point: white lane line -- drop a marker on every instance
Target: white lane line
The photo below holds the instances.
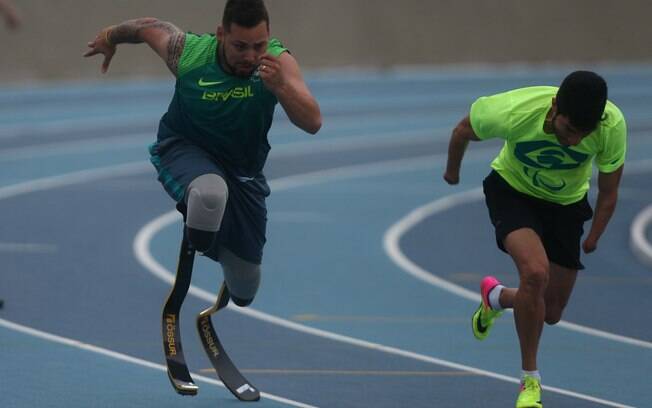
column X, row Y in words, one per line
column 362, row 141
column 136, row 140
column 48, row 183
column 639, row 243
column 94, row 124
column 83, row 177
column 56, row 126
column 126, row 358
column 144, row 256
column 138, row 167
column 391, row 243
column 288, row 182
column 31, row 248
column 393, row 236
column 381, row 139
column 142, row 252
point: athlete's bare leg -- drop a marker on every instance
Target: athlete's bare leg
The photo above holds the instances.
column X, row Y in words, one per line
column 560, row 286
column 529, row 255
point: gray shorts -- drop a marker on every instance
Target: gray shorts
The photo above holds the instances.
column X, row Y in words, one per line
column 178, row 162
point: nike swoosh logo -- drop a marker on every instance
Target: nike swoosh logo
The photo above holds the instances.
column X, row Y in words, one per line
column 479, row 326
column 201, row 82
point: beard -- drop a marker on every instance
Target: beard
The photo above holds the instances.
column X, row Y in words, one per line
column 244, row 71
column 241, row 70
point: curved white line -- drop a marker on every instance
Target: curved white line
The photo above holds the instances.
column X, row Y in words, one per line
column 143, row 254
column 288, row 182
column 125, row 357
column 88, row 175
column 395, row 232
column 83, row 177
column 144, row 236
column 641, row 247
column 136, row 140
column 391, row 243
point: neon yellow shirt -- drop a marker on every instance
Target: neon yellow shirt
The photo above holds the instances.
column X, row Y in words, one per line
column 532, row 161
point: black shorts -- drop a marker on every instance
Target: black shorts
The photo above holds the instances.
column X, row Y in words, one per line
column 560, row 227
column 243, row 227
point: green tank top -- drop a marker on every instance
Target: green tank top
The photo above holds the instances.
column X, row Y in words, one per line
column 224, row 114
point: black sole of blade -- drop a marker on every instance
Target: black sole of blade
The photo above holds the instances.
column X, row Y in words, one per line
column 183, row 388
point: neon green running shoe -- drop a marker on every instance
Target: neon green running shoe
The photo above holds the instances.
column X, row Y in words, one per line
column 530, row 394
column 484, row 316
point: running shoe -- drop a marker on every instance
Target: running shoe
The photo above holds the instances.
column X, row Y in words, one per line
column 530, row 394
column 484, row 316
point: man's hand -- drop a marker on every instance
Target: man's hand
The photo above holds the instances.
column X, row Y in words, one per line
column 604, row 208
column 452, row 178
column 101, row 45
column 281, row 76
column 590, row 244
column 271, row 73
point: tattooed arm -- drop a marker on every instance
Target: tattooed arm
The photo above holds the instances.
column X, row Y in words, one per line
column 163, row 37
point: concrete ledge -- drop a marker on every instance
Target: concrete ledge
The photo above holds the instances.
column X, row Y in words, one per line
column 333, row 33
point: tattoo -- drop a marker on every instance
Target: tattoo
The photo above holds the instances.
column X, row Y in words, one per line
column 129, row 31
column 175, row 48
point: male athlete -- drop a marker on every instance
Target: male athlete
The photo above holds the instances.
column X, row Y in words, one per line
column 537, row 198
column 212, row 143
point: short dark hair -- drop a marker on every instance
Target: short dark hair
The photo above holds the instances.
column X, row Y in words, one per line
column 582, row 98
column 245, row 13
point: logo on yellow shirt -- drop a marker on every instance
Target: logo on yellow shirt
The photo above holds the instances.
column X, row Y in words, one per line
column 538, row 156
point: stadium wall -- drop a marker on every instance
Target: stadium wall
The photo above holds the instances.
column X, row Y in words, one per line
column 336, row 33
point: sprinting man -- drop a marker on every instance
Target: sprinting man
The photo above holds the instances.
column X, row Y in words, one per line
column 212, row 142
column 10, row 14
column 537, row 198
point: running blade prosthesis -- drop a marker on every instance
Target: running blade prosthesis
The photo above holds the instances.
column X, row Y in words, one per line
column 177, row 368
column 226, row 370
column 176, row 363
